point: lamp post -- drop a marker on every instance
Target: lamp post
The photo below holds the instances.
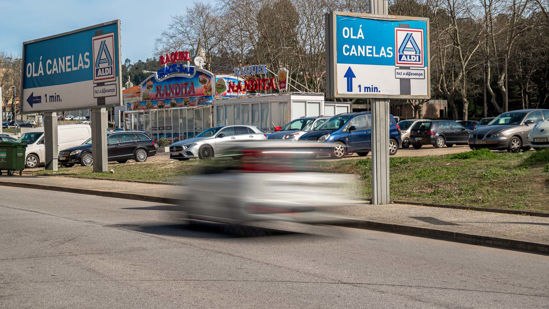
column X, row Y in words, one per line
column 14, row 109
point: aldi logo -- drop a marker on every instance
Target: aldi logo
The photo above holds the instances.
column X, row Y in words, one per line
column 103, row 61
column 409, row 47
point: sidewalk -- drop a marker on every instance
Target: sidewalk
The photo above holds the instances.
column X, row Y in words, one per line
column 529, row 233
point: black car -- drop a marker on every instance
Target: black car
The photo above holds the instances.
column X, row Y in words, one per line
column 438, row 133
column 7, row 138
column 122, row 146
column 469, row 124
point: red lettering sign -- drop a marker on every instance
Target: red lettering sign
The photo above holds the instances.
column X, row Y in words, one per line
column 175, row 57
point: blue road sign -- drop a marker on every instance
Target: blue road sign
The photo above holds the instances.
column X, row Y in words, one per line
column 378, row 57
column 59, row 72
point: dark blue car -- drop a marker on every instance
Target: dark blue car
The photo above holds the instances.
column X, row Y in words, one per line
column 352, row 133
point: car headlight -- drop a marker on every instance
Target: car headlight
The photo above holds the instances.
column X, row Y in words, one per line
column 323, row 138
column 75, row 152
column 498, row 134
column 290, row 136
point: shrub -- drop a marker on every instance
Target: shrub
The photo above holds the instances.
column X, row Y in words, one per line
column 163, row 142
column 539, row 157
column 480, row 154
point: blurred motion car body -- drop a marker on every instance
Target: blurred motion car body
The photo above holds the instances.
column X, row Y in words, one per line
column 210, row 142
column 296, row 128
column 265, row 181
column 508, row 131
column 539, row 136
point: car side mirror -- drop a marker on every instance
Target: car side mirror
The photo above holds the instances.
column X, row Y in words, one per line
column 220, row 135
column 351, row 128
column 529, row 122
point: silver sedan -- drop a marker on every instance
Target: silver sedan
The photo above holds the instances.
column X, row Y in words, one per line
column 209, row 142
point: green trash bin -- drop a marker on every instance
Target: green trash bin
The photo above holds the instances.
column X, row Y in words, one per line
column 12, row 157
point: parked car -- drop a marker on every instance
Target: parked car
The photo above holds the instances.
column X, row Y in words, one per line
column 508, row 131
column 227, row 192
column 438, row 133
column 485, row 121
column 352, row 133
column 469, row 124
column 69, row 135
column 296, row 128
column 405, row 128
column 5, row 124
column 208, row 143
column 7, row 138
column 121, row 147
column 539, row 136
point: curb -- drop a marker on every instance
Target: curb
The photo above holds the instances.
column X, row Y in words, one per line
column 502, row 211
column 487, row 241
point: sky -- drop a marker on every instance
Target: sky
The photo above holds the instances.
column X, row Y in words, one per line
column 141, row 22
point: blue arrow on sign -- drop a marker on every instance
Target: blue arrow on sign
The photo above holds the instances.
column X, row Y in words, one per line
column 34, row 99
column 349, row 75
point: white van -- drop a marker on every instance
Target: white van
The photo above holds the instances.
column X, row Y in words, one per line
column 68, row 136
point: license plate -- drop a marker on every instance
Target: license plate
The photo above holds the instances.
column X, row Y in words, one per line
column 540, row 139
column 417, row 138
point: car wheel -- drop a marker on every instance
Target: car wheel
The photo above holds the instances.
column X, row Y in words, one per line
column 393, row 146
column 140, row 155
column 362, row 153
column 449, row 145
column 68, row 164
column 122, row 161
column 417, row 145
column 32, row 161
column 339, row 150
column 205, row 152
column 514, row 144
column 406, row 143
column 86, row 159
column 439, row 142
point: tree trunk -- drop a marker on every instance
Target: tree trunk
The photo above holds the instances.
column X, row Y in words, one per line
column 493, row 99
column 452, row 106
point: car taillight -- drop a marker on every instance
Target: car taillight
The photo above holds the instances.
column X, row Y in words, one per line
column 152, row 143
column 430, row 132
column 255, row 161
column 398, row 127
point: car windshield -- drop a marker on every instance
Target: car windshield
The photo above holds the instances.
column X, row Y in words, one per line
column 87, row 142
column 30, row 137
column 311, row 126
column 209, row 132
column 485, row 121
column 510, row 118
column 298, row 124
column 335, row 122
column 405, row 124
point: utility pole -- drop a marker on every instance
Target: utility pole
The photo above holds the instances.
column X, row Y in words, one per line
column 14, row 109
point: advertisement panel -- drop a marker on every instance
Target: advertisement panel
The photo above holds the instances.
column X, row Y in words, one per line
column 177, row 90
column 74, row 70
column 371, row 56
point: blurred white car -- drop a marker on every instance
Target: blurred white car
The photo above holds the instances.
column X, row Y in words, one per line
column 268, row 181
column 210, row 142
column 539, row 136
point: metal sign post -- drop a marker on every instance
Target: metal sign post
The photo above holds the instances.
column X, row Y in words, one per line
column 380, row 134
column 77, row 70
column 379, row 57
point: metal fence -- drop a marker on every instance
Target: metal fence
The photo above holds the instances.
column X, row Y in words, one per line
column 172, row 124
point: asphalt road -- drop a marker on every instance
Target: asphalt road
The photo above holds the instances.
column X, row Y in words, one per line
column 61, row 250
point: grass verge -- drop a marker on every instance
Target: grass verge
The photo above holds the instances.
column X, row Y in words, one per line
column 479, row 178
